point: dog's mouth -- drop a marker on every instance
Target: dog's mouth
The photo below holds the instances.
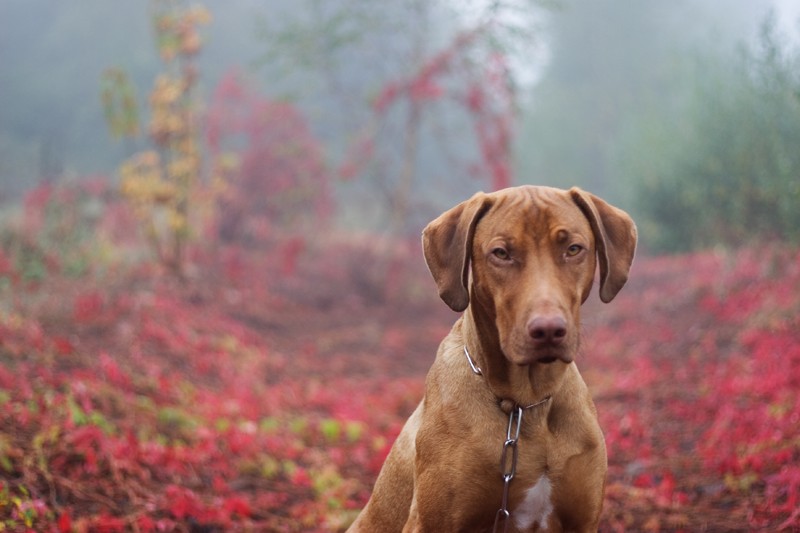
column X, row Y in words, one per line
column 524, row 353
column 546, row 358
column 550, row 358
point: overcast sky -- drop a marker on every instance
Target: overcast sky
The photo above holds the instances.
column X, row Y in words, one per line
column 789, row 16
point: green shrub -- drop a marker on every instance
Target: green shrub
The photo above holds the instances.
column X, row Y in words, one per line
column 726, row 168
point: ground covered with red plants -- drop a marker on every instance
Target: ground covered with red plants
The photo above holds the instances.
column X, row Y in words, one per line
column 263, row 391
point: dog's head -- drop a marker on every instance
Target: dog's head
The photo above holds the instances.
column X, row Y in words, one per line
column 532, row 253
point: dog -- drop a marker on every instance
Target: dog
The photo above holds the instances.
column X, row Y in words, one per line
column 504, row 388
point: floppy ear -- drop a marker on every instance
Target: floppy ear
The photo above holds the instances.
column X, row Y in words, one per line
column 447, row 245
column 615, row 238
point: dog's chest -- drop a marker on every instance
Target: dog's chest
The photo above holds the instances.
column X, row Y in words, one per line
column 536, row 507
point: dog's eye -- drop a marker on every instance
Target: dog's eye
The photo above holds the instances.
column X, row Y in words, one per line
column 501, row 253
column 574, row 250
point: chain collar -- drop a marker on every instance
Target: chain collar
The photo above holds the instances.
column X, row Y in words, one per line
column 508, row 457
column 477, row 370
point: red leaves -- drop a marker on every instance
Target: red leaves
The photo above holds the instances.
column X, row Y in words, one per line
column 182, row 502
column 290, row 251
column 425, row 89
column 358, row 155
column 236, row 506
column 783, row 494
column 491, row 101
column 88, row 307
column 63, row 345
column 387, row 96
column 113, row 373
column 275, row 172
column 476, row 98
column 64, row 523
column 109, row 524
column 167, row 417
column 706, row 367
column 482, row 88
column 38, row 198
column 300, row 478
column 6, row 267
column 227, row 404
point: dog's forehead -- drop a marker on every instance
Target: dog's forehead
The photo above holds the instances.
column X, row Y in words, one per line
column 530, row 196
column 528, row 208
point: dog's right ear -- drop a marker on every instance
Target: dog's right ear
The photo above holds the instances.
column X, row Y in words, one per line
column 615, row 238
column 447, row 245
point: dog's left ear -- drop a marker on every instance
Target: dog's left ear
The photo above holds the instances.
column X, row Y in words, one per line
column 615, row 238
column 447, row 245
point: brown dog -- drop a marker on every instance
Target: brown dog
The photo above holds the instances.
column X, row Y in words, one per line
column 503, row 389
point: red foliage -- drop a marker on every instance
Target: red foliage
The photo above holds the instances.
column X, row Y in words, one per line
column 491, row 102
column 265, row 392
column 88, row 307
column 483, row 91
column 703, row 349
column 281, row 177
column 36, row 202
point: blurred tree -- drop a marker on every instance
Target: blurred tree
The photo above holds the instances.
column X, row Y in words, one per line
column 725, row 168
column 50, row 61
column 333, row 58
column 119, row 104
column 441, row 81
column 273, row 168
column 613, row 61
column 163, row 183
column 52, row 54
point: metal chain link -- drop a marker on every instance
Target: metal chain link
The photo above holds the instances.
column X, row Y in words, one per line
column 508, row 467
column 508, row 462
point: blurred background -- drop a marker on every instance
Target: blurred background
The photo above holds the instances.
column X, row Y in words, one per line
column 214, row 310
column 685, row 113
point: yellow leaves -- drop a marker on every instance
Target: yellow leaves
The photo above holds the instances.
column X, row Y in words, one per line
column 225, row 165
column 741, row 483
column 178, row 223
column 199, row 15
column 182, row 168
column 270, row 467
column 176, row 30
column 8, row 452
column 230, row 344
column 143, row 182
column 167, row 90
column 157, row 192
column 190, row 44
column 171, row 119
column 149, row 158
column 164, row 186
column 228, row 162
column 146, row 184
column 779, row 410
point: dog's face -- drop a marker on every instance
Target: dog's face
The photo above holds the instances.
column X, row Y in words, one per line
column 533, row 253
column 533, row 263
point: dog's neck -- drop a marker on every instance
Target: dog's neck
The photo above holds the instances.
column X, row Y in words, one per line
column 512, row 384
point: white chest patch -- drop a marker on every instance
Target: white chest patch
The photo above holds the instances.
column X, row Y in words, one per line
column 536, row 507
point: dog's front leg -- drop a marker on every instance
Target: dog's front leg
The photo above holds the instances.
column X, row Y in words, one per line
column 413, row 524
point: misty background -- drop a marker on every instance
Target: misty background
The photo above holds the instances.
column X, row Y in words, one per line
column 686, row 114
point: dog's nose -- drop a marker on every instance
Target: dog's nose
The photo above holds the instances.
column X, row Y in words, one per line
column 547, row 329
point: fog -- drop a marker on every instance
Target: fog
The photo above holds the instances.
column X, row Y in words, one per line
column 594, row 94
